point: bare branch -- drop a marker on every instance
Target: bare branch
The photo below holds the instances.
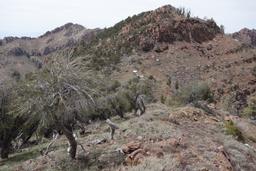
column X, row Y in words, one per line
column 113, row 127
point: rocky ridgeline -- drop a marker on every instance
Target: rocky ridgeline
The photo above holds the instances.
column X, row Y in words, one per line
column 166, row 25
column 73, row 28
column 246, row 36
column 145, row 32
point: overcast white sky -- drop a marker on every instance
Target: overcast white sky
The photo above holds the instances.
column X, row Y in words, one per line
column 34, row 17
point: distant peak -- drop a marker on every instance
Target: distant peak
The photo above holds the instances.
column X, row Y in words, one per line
column 68, row 25
column 247, row 36
column 64, row 27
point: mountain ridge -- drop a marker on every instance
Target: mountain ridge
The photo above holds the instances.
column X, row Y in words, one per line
column 153, row 33
column 64, row 36
column 247, row 36
column 145, row 31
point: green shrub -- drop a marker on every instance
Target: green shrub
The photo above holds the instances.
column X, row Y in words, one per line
column 138, row 86
column 231, row 129
column 192, row 93
column 250, row 110
column 118, row 99
column 113, row 86
column 174, row 101
column 124, row 102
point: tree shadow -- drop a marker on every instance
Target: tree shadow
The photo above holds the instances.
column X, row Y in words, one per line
column 23, row 156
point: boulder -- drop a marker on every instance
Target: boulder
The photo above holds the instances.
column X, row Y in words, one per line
column 187, row 113
column 130, row 147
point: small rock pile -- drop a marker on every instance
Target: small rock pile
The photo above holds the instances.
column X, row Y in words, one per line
column 137, row 151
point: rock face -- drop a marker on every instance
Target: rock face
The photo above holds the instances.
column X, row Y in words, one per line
column 189, row 30
column 145, row 31
column 246, row 36
column 165, row 24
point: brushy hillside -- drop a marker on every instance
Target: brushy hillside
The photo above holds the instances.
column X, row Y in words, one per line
column 185, row 138
column 198, row 84
column 145, row 31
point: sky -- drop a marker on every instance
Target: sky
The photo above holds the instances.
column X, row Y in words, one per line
column 35, row 17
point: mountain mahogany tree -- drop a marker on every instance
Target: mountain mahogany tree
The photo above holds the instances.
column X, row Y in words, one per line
column 56, row 95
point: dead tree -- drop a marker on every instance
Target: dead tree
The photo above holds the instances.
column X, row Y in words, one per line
column 54, row 139
column 113, row 127
column 69, row 146
column 138, row 104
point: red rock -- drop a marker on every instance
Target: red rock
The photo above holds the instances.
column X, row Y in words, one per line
column 130, row 147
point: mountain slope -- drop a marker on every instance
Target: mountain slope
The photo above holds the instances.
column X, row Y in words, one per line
column 164, row 138
column 165, row 43
column 174, row 50
column 172, row 47
column 223, row 63
column 65, row 36
column 144, row 32
column 25, row 54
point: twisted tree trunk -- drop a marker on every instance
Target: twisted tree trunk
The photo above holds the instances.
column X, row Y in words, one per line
column 72, row 141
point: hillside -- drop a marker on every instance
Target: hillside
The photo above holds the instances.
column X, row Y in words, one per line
column 198, row 84
column 225, row 64
column 164, row 138
column 175, row 48
column 25, row 54
column 65, row 36
column 144, row 32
